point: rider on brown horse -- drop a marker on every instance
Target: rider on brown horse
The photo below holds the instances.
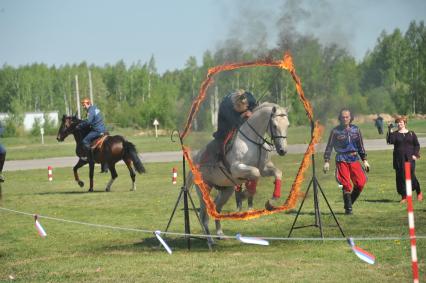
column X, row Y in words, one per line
column 95, row 123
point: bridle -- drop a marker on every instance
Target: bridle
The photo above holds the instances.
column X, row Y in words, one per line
column 271, row 133
column 68, row 129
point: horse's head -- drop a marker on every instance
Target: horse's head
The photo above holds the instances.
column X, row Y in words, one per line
column 278, row 125
column 67, row 126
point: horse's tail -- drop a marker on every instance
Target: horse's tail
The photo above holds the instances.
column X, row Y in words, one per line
column 130, row 151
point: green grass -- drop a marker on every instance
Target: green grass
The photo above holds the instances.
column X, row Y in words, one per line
column 80, row 253
column 31, row 147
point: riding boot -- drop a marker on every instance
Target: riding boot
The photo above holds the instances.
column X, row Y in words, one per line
column 355, row 194
column 348, row 202
column 89, row 153
column 2, row 159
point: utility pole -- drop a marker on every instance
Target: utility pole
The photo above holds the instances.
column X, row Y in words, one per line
column 90, row 87
column 77, row 97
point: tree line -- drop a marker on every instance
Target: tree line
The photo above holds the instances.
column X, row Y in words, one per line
column 391, row 78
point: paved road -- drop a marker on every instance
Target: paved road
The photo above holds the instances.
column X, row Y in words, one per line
column 170, row 156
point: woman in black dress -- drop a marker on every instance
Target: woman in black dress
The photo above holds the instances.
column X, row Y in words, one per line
column 406, row 147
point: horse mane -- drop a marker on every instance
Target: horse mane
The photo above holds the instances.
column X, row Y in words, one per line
column 264, row 105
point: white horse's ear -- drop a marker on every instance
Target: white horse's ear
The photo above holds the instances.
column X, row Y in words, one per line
column 286, row 109
column 274, row 109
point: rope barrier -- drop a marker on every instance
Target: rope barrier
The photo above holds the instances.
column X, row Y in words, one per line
column 388, row 238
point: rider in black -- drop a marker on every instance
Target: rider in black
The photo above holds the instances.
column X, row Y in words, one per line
column 234, row 109
column 2, row 156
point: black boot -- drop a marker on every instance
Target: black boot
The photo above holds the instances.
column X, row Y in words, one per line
column 2, row 159
column 348, row 202
column 355, row 194
column 89, row 153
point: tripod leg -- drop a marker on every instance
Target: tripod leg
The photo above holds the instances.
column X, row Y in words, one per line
column 174, row 209
column 186, row 213
column 300, row 208
column 331, row 210
column 316, row 206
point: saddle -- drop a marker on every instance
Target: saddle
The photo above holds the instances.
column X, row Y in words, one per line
column 99, row 142
column 216, row 150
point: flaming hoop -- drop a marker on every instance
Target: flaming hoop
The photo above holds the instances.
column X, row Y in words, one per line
column 287, row 64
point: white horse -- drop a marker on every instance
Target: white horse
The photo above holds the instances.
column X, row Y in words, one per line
column 248, row 157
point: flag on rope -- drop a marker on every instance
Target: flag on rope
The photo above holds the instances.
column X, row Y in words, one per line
column 157, row 234
column 39, row 228
column 362, row 254
column 252, row 240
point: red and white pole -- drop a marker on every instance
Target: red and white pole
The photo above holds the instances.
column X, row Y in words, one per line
column 174, row 176
column 414, row 265
column 49, row 173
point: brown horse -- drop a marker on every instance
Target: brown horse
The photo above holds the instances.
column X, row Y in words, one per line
column 106, row 149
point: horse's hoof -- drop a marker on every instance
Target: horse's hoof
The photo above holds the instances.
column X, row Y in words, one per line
column 250, row 208
column 91, row 190
column 269, row 206
column 80, row 183
column 220, row 235
column 107, row 189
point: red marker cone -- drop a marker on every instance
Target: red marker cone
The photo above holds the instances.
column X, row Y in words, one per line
column 50, row 173
column 174, row 175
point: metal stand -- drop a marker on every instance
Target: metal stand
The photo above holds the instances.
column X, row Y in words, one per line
column 314, row 182
column 186, row 195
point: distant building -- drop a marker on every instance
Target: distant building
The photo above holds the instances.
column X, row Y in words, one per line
column 30, row 118
column 3, row 116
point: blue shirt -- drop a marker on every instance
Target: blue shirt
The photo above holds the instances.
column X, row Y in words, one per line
column 94, row 120
column 348, row 144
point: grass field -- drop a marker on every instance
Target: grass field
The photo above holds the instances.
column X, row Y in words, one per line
column 31, row 147
column 75, row 252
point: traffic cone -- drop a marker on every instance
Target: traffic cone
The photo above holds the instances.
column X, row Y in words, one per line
column 50, row 173
column 174, row 175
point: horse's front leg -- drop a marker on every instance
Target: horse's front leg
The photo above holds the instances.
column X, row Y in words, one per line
column 271, row 170
column 91, row 173
column 220, row 200
column 79, row 164
column 244, row 172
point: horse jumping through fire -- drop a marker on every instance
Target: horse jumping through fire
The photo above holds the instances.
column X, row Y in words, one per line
column 247, row 158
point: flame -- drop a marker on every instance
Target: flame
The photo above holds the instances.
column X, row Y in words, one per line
column 287, row 64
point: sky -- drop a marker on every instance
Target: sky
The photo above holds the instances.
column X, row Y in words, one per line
column 58, row 32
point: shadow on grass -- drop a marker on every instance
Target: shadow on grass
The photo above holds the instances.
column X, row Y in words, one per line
column 151, row 244
column 381, row 200
column 69, row 193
